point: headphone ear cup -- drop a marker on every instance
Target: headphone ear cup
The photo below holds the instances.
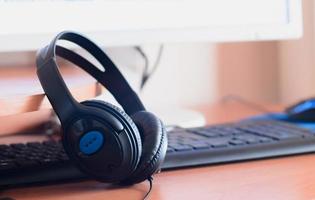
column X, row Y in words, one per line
column 154, row 146
column 133, row 133
column 106, row 106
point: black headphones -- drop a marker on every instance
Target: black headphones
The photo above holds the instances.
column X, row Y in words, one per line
column 105, row 142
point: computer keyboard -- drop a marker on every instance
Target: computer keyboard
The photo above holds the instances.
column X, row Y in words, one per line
column 46, row 162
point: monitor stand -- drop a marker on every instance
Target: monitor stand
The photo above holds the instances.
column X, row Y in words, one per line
column 170, row 115
column 179, row 116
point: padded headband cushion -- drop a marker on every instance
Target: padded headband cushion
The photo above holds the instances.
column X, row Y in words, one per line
column 154, row 146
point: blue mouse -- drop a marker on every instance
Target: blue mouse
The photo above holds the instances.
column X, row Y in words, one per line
column 303, row 111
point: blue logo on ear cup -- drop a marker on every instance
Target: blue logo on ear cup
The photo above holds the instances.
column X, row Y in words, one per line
column 91, row 142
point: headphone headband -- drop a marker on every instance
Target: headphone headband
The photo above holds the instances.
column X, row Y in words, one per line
column 55, row 88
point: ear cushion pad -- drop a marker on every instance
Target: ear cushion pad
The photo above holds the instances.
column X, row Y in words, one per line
column 154, row 146
column 111, row 108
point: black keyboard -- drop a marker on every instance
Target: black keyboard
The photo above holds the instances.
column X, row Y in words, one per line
column 46, row 162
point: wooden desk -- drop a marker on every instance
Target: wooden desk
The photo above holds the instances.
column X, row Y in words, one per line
column 289, row 178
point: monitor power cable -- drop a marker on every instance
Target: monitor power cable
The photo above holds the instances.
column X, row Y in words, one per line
column 146, row 73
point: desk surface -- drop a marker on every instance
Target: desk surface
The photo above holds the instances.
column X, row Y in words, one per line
column 282, row 178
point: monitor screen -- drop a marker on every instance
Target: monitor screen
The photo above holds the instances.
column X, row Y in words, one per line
column 27, row 24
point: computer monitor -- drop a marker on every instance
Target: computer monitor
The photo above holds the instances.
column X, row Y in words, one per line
column 29, row 24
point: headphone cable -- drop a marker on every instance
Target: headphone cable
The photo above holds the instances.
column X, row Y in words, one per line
column 150, row 179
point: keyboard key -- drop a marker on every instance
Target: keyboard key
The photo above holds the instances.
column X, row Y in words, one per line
column 4, row 147
column 250, row 139
column 49, row 160
column 50, row 143
column 265, row 139
column 8, row 154
column 237, row 142
column 34, row 144
column 18, row 146
column 6, row 160
column 206, row 133
column 218, row 142
column 7, row 166
column 181, row 147
column 199, row 145
column 26, row 163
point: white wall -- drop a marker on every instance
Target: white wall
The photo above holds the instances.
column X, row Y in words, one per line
column 297, row 63
column 186, row 74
